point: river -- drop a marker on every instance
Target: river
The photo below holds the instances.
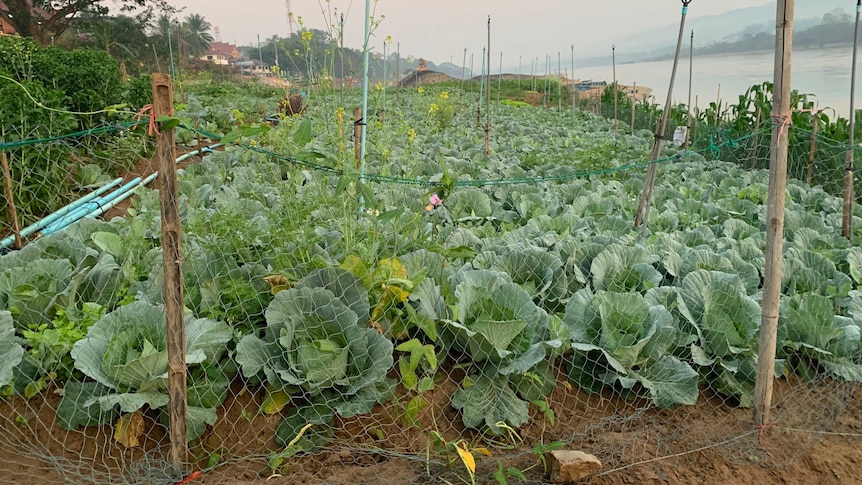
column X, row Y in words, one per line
column 824, row 73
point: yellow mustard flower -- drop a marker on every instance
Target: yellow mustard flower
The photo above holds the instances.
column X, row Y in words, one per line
column 307, row 36
column 420, row 90
column 433, row 108
column 378, row 86
column 411, row 134
column 444, row 95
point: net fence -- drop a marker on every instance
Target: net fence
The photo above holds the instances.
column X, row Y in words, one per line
column 438, row 316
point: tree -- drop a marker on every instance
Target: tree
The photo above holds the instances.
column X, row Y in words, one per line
column 196, row 34
column 124, row 38
column 45, row 19
column 837, row 16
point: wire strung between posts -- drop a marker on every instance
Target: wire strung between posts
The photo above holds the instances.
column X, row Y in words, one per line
column 78, row 134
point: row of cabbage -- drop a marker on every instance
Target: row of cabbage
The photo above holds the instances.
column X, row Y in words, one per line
column 325, row 304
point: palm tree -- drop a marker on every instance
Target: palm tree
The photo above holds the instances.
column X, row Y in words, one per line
column 196, row 35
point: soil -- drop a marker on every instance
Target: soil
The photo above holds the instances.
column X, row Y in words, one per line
column 815, row 438
column 143, row 168
column 712, row 442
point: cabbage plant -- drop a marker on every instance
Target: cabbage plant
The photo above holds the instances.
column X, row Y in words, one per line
column 502, row 331
column 125, row 355
column 314, row 345
column 621, row 340
column 814, row 339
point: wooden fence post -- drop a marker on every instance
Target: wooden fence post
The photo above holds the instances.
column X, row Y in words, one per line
column 813, row 150
column 775, row 214
column 357, row 136
column 13, row 211
column 176, row 336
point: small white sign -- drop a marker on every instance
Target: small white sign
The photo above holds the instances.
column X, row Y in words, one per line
column 680, row 135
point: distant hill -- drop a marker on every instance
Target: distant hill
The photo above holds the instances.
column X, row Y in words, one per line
column 659, row 42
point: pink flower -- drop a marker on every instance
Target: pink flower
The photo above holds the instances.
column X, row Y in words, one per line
column 436, row 201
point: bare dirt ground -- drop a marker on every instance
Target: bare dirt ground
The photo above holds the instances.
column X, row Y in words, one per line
column 711, row 442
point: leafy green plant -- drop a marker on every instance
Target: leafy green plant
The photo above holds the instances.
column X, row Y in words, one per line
column 125, row 356
column 314, row 344
column 813, row 338
column 619, row 339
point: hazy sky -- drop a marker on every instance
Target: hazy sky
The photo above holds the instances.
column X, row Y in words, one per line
column 440, row 29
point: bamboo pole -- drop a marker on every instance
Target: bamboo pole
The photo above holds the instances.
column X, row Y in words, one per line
column 696, row 116
column 756, row 140
column 813, row 150
column 13, row 211
column 560, row 82
column 341, row 50
column 385, row 76
column 357, row 136
column 163, row 103
column 649, row 183
column 690, row 78
column 718, row 106
column 574, row 85
column 775, row 214
column 500, row 80
column 463, row 68
column 634, row 104
column 481, row 91
column 616, row 104
column 520, row 61
column 488, row 98
column 398, row 68
column 847, row 223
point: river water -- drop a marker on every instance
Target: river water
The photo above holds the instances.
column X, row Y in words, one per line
column 824, row 73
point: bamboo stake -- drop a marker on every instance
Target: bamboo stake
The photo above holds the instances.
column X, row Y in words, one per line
column 13, row 211
column 756, row 140
column 775, row 214
column 481, row 91
column 634, row 105
column 813, row 150
column 357, row 136
column 574, row 85
column 488, row 98
column 847, row 223
column 520, row 61
column 616, row 112
column 649, row 183
column 163, row 103
column 463, row 67
column 500, row 79
column 398, row 68
column 340, row 115
column 690, row 78
column 341, row 50
column 696, row 116
column 560, row 82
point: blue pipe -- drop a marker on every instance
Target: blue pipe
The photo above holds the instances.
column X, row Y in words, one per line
column 110, row 205
column 95, row 203
column 85, row 209
column 62, row 212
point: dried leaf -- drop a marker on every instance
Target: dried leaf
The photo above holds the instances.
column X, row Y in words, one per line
column 278, row 282
column 275, row 401
column 129, row 428
column 483, row 450
column 466, row 457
